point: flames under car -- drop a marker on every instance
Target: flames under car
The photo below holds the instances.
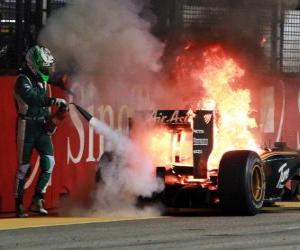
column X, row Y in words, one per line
column 243, row 181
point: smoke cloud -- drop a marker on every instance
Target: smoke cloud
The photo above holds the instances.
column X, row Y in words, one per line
column 127, row 175
column 107, row 42
column 110, row 52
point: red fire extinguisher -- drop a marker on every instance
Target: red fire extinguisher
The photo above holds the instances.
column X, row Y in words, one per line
column 55, row 119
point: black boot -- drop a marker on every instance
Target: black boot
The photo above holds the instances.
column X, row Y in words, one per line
column 20, row 210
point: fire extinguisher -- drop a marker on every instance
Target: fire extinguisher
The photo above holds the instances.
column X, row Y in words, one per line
column 55, row 119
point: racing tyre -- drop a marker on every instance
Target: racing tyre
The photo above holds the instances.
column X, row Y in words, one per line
column 241, row 182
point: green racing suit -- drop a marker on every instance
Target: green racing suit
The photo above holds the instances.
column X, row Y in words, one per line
column 32, row 103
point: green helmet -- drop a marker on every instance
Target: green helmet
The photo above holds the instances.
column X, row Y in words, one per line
column 40, row 61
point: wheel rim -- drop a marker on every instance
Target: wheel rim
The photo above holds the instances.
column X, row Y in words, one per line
column 257, row 183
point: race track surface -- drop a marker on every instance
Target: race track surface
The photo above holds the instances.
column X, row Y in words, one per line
column 275, row 228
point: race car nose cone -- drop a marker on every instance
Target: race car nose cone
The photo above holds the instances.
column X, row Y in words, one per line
column 84, row 113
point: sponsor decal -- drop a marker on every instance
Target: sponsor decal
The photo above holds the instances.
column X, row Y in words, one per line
column 200, row 142
column 198, row 151
column 207, row 118
column 284, row 175
column 174, row 117
column 198, row 131
column 27, row 86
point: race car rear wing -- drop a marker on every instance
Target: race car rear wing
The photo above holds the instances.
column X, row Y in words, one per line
column 201, row 124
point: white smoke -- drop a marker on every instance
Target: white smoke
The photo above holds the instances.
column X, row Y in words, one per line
column 113, row 50
column 106, row 40
column 128, row 175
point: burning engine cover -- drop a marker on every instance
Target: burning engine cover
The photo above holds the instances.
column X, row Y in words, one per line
column 191, row 138
column 190, row 142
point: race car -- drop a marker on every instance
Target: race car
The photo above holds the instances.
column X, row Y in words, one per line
column 244, row 180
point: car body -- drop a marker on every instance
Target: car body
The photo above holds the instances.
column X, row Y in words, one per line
column 242, row 183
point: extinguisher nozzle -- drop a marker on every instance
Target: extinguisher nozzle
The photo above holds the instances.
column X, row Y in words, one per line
column 84, row 113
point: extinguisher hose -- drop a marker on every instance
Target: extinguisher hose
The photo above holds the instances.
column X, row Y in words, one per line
column 82, row 111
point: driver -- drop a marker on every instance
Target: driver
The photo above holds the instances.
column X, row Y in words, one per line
column 32, row 103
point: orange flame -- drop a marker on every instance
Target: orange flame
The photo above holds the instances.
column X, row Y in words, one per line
column 232, row 128
column 215, row 72
column 168, row 146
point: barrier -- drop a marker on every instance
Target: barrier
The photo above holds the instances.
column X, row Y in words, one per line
column 279, row 111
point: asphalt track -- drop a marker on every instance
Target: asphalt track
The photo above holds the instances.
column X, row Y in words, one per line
column 275, row 228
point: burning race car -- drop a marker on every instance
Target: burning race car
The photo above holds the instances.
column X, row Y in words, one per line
column 199, row 166
column 244, row 179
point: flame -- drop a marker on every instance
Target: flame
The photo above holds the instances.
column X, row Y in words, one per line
column 168, row 146
column 216, row 72
column 160, row 144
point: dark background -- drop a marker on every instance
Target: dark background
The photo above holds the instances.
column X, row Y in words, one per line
column 241, row 24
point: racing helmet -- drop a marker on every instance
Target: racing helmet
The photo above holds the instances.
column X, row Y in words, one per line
column 40, row 61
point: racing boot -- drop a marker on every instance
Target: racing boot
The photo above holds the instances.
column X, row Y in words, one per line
column 20, row 210
column 37, row 206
